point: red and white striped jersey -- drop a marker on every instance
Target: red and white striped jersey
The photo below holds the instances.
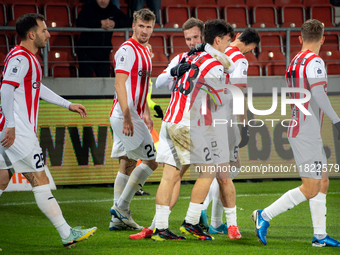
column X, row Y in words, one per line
column 134, row 60
column 239, row 76
column 206, row 73
column 22, row 70
column 306, row 70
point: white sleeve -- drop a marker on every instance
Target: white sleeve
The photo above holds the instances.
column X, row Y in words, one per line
column 316, row 72
column 51, row 97
column 7, row 103
column 239, row 76
column 16, row 70
column 321, row 99
column 165, row 79
column 226, row 62
column 124, row 59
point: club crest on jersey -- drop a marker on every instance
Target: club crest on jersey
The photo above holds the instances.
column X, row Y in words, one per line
column 36, row 85
column 122, row 60
column 318, row 72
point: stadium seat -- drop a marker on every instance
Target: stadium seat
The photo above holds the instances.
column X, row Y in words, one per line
column 270, row 42
column 332, row 61
column 159, row 63
column 64, row 70
column 4, row 43
column 237, row 15
column 325, row 13
column 61, row 64
column 264, row 16
column 331, row 42
column 57, row 15
column 3, row 14
column 223, row 3
column 280, row 3
column 177, row 44
column 62, row 41
column 194, row 3
column 165, row 3
column 309, row 3
column 274, row 62
column 20, row 8
column 253, row 3
column 176, row 15
column 77, row 9
column 118, row 38
column 158, row 43
column 207, row 12
column 293, row 15
column 254, row 68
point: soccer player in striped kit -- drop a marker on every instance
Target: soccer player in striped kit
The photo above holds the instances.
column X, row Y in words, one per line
column 21, row 90
column 306, row 71
column 130, row 116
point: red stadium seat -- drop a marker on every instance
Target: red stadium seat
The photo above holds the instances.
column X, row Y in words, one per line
column 254, row 68
column 61, row 64
column 62, row 42
column 331, row 42
column 253, row 3
column 165, row 3
column 332, row 61
column 309, row 3
column 64, row 70
column 293, row 15
column 264, row 16
column 176, row 15
column 159, row 63
column 207, row 12
column 77, row 9
column 4, row 44
column 274, row 62
column 20, row 8
column 177, row 44
column 237, row 15
column 324, row 13
column 281, row 3
column 118, row 38
column 3, row 14
column 270, row 42
column 223, row 3
column 158, row 43
column 57, row 15
column 294, row 42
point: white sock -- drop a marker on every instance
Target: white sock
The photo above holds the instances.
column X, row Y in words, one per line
column 49, row 206
column 1, row 191
column 193, row 213
column 217, row 207
column 230, row 214
column 287, row 201
column 152, row 226
column 136, row 181
column 120, row 183
column 162, row 216
column 318, row 211
column 209, row 197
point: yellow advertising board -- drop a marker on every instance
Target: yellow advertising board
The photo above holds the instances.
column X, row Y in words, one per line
column 78, row 151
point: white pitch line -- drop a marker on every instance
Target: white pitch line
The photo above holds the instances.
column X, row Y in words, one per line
column 142, row 198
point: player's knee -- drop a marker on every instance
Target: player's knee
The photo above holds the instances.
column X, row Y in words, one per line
column 152, row 164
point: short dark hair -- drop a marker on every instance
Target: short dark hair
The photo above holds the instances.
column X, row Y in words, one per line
column 27, row 22
column 217, row 28
column 250, row 35
column 312, row 30
column 193, row 22
column 144, row 15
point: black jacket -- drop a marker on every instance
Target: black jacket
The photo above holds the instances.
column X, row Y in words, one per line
column 100, row 42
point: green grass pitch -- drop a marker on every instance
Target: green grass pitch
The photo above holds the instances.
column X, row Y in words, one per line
column 25, row 230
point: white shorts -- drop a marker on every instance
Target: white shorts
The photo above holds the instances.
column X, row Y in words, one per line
column 25, row 155
column 117, row 148
column 234, row 141
column 217, row 139
column 309, row 156
column 166, row 149
column 140, row 145
column 187, row 142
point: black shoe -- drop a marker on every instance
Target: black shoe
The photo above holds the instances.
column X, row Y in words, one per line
column 141, row 192
column 165, row 234
column 195, row 230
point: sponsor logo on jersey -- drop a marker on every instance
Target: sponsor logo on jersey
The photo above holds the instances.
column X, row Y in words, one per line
column 144, row 73
column 15, row 70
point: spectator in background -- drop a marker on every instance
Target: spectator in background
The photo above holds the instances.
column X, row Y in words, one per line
column 153, row 5
column 94, row 47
